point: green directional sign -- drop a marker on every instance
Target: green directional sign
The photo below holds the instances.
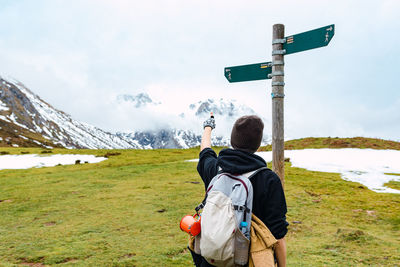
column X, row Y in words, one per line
column 309, row 40
column 250, row 72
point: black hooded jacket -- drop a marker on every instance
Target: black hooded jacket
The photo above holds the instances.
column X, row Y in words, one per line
column 269, row 203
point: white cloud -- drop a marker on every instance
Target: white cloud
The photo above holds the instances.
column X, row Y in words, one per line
column 78, row 56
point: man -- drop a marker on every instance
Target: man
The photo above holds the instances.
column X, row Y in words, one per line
column 269, row 203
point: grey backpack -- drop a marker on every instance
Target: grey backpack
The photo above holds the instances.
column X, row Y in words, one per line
column 226, row 219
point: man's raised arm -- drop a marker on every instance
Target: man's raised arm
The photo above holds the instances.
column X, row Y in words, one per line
column 208, row 125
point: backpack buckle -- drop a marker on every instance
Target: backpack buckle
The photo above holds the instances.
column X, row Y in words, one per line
column 241, row 208
column 199, row 207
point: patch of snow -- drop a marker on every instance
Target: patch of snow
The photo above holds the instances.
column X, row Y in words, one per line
column 37, row 128
column 4, row 118
column 23, row 137
column 3, row 106
column 37, row 142
column 14, row 120
column 48, row 133
column 364, row 166
column 36, row 161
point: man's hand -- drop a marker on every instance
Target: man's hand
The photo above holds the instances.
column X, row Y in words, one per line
column 280, row 252
column 210, row 122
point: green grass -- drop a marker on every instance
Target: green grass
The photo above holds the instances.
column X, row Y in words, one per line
column 125, row 211
column 395, row 184
column 336, row 142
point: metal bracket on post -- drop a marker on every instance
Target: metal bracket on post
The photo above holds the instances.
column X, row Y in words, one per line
column 276, row 95
column 266, row 65
column 276, row 73
column 277, row 62
column 279, row 41
column 278, row 52
column 278, row 83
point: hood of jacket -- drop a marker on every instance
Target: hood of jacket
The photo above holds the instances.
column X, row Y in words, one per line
column 238, row 162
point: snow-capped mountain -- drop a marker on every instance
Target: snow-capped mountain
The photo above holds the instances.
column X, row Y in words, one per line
column 25, row 116
column 27, row 120
column 170, row 138
column 185, row 128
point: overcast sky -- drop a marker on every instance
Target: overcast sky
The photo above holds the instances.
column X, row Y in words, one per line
column 79, row 55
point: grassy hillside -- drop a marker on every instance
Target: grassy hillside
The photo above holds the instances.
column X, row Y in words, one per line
column 336, row 142
column 12, row 135
column 125, row 211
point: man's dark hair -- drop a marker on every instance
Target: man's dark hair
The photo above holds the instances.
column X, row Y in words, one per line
column 247, row 133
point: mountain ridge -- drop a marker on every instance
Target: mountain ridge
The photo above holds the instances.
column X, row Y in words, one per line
column 27, row 120
column 27, row 110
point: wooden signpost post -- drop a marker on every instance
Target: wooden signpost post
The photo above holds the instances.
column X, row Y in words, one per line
column 274, row 70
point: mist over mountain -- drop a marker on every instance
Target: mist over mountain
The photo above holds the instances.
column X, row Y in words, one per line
column 183, row 128
column 138, row 101
column 27, row 120
column 189, row 117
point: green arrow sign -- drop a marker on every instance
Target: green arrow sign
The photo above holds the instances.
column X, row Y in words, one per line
column 309, row 40
column 250, row 72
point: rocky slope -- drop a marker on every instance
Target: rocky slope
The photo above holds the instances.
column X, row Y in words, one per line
column 27, row 120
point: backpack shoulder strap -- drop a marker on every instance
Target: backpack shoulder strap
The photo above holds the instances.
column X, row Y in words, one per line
column 251, row 174
column 203, row 203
